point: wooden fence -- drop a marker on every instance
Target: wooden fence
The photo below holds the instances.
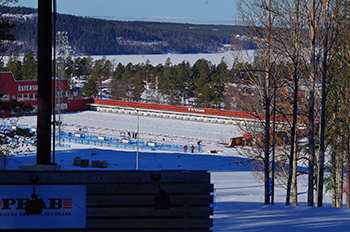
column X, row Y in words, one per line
column 133, row 200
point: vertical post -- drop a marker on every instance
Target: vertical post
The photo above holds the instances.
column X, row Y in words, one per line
column 44, row 81
column 54, row 89
column 137, row 153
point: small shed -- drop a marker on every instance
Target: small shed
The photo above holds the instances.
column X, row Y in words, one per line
column 236, row 141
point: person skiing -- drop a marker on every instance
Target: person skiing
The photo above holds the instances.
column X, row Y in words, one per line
column 199, row 145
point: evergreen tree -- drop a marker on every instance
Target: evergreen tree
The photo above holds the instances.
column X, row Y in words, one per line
column 168, row 83
column 69, row 67
column 126, row 83
column 116, row 82
column 203, row 90
column 118, row 72
column 82, row 66
column 217, row 84
column 78, row 67
column 183, row 80
column 138, row 86
column 107, row 69
column 29, row 66
column 87, row 65
column 96, row 74
column 89, row 89
column 14, row 65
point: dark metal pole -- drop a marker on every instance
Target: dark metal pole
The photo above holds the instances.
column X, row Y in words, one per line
column 44, row 81
column 137, row 154
column 54, row 85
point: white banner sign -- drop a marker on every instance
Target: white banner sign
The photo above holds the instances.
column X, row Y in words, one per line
column 54, row 206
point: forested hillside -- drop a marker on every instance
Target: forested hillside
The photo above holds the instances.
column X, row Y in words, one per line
column 107, row 37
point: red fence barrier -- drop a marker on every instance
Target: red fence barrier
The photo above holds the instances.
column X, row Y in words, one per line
column 175, row 108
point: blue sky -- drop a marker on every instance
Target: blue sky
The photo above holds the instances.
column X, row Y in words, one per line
column 187, row 11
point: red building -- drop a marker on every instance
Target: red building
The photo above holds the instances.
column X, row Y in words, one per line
column 27, row 90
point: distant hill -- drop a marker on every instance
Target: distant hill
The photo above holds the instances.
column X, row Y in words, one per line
column 108, row 37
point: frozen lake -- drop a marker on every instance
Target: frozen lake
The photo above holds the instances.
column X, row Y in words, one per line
column 214, row 58
column 155, row 59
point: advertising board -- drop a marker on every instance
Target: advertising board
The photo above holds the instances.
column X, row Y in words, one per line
column 42, row 206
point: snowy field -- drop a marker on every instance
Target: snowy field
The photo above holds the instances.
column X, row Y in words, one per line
column 239, row 196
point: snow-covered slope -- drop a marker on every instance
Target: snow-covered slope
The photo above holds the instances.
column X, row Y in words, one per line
column 238, row 195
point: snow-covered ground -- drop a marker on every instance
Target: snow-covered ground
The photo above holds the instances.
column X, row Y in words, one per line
column 239, row 196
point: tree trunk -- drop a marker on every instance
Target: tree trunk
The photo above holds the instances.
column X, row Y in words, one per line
column 340, row 180
column 310, row 192
column 310, row 195
column 333, row 180
column 347, row 157
column 323, row 115
column 295, row 102
column 294, row 180
column 267, row 150
column 267, row 109
column 347, row 150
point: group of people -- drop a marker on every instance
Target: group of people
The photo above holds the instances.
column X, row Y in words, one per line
column 192, row 147
column 185, row 148
column 132, row 134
